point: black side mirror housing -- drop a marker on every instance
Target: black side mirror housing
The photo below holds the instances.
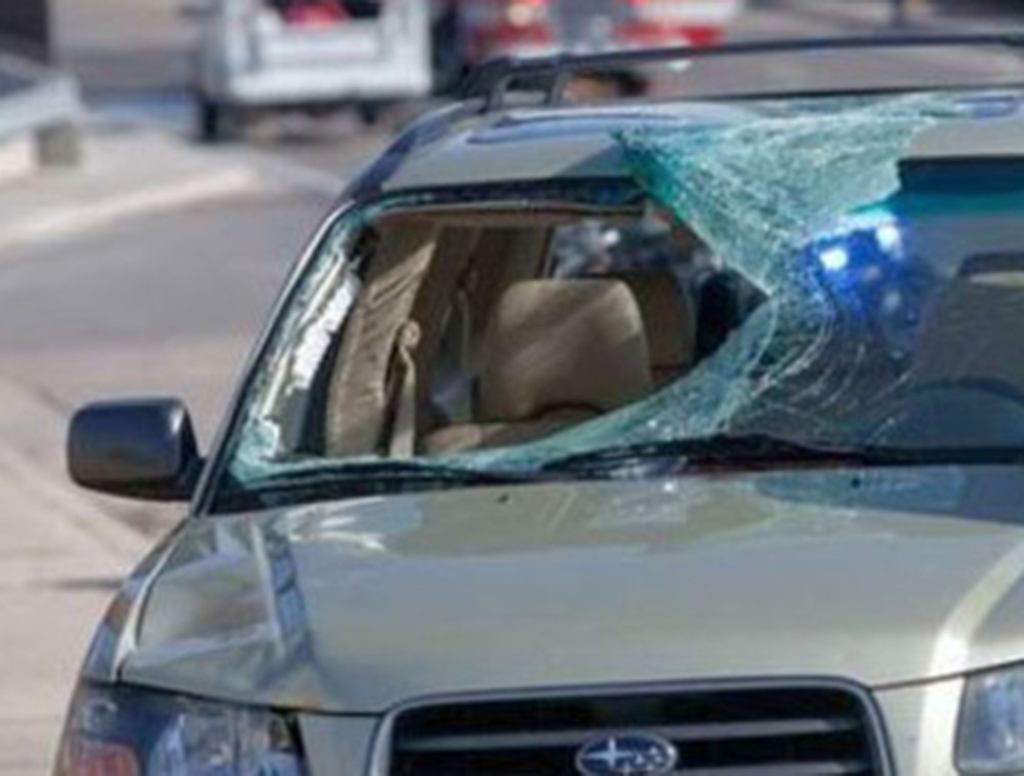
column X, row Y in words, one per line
column 144, row 449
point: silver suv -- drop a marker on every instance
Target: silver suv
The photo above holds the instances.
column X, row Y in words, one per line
column 626, row 440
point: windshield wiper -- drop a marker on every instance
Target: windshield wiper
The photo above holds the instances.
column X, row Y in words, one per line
column 395, row 471
column 734, row 450
column 355, row 479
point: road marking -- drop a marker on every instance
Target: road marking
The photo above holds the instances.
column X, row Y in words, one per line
column 65, row 222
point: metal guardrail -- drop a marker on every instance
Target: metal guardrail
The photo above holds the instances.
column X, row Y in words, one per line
column 42, row 102
column 494, row 79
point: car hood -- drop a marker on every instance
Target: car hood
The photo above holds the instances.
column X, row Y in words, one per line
column 882, row 576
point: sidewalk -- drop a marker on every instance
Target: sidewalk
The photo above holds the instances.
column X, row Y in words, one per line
column 60, row 561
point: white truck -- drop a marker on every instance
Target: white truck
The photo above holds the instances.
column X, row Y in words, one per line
column 309, row 55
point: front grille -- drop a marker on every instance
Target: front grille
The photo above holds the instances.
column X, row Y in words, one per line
column 741, row 731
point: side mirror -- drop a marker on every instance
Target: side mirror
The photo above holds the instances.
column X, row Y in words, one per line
column 142, row 449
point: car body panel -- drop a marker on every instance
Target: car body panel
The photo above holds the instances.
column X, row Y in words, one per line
column 922, row 724
column 536, row 145
column 526, row 144
column 883, row 577
column 337, row 745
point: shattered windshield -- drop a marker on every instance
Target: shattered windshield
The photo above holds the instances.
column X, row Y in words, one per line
column 798, row 284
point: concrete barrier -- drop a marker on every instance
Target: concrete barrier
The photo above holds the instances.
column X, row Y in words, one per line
column 44, row 103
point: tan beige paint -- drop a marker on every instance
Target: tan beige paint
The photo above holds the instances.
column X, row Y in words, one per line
column 469, row 157
column 358, row 606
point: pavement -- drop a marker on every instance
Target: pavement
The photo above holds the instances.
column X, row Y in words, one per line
column 148, row 272
column 61, row 558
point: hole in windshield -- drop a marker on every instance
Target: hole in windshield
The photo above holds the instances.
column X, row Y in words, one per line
column 791, row 288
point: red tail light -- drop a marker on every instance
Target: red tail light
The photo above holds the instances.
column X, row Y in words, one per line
column 671, row 22
column 659, row 34
column 314, row 13
column 500, row 26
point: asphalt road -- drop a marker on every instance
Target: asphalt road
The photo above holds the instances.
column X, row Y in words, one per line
column 123, row 45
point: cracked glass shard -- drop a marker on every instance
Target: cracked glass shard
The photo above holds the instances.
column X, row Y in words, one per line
column 316, row 314
column 765, row 196
column 778, row 197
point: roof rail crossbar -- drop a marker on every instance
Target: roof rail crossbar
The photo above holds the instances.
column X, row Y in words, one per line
column 492, row 80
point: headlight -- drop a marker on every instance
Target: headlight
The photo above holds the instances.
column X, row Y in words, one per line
column 992, row 724
column 123, row 731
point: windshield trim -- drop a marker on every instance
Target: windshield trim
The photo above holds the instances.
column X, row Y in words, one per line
column 204, row 497
column 522, row 196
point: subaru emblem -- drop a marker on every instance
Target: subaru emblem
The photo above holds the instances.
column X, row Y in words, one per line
column 629, row 754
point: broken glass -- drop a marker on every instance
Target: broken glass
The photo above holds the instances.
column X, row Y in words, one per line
column 776, row 199
column 792, row 198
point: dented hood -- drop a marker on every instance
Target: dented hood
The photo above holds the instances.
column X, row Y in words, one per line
column 880, row 576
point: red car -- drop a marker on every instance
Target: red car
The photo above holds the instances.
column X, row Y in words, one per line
column 535, row 27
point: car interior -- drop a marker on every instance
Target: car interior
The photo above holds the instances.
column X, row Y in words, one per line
column 476, row 330
column 478, row 326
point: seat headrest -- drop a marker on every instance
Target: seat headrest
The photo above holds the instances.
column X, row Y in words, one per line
column 669, row 318
column 968, row 333
column 563, row 344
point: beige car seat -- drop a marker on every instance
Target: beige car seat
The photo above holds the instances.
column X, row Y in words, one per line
column 555, row 353
column 670, row 320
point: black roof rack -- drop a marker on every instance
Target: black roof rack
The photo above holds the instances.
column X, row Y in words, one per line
column 492, row 80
